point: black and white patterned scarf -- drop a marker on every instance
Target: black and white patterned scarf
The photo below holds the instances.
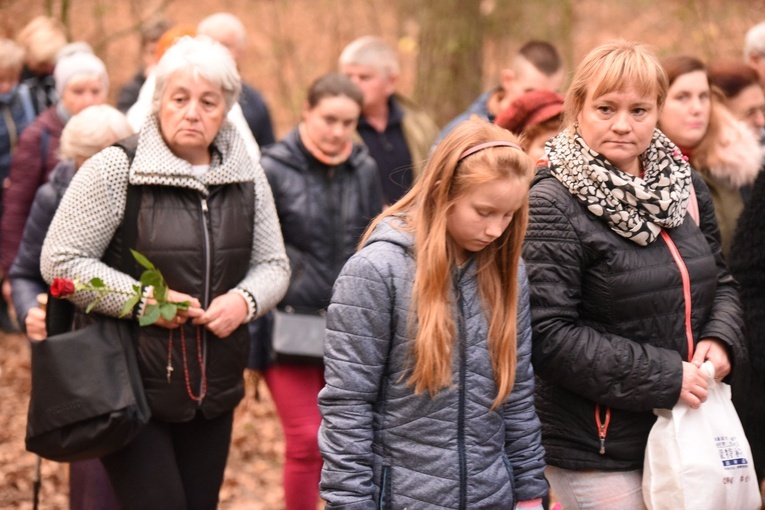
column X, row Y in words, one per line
column 634, row 207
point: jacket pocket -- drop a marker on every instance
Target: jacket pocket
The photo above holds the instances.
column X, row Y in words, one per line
column 510, row 475
column 385, row 489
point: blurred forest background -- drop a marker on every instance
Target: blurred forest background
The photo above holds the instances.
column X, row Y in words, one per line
column 450, row 50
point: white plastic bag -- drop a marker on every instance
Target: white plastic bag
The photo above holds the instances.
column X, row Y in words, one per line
column 699, row 458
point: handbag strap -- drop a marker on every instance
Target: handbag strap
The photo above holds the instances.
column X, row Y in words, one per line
column 686, row 288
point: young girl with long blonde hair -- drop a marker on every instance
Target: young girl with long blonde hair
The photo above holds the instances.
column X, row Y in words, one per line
column 429, row 386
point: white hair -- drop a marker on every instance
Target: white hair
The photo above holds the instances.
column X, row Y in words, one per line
column 94, row 128
column 222, row 22
column 755, row 40
column 371, row 51
column 207, row 59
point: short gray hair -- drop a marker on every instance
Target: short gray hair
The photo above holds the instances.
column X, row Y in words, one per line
column 206, row 59
column 94, row 128
column 222, row 22
column 371, row 51
column 755, row 40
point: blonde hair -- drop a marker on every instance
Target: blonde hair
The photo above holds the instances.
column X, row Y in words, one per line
column 424, row 210
column 11, row 55
column 615, row 66
column 94, row 128
column 42, row 38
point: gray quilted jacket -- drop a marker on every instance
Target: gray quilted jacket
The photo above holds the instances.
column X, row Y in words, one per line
column 385, row 446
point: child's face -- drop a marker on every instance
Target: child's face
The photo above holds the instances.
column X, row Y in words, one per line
column 9, row 78
column 482, row 214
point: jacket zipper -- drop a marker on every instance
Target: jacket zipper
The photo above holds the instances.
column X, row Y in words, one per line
column 461, row 407
column 206, row 292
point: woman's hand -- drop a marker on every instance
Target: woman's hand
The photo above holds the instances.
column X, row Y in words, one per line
column 226, row 313
column 694, row 389
column 35, row 324
column 715, row 351
column 182, row 316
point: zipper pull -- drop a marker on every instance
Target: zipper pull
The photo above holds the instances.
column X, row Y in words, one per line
column 602, row 445
column 204, row 206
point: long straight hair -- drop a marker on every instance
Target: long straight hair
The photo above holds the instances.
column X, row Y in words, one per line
column 424, row 210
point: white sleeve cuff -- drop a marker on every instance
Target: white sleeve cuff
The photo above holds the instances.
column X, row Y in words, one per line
column 252, row 307
column 148, row 292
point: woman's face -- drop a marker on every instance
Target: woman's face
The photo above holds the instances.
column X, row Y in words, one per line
column 331, row 123
column 481, row 214
column 619, row 125
column 749, row 107
column 191, row 113
column 685, row 117
column 81, row 93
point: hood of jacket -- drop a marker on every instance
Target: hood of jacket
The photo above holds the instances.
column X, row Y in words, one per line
column 392, row 230
column 291, row 153
column 155, row 163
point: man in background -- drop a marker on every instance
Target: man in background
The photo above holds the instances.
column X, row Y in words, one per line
column 536, row 66
column 397, row 132
column 229, row 31
column 150, row 35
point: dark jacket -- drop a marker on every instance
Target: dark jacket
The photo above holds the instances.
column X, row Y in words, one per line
column 257, row 115
column 34, row 159
column 747, row 263
column 26, row 280
column 385, row 446
column 479, row 107
column 609, row 323
column 129, row 92
column 20, row 111
column 323, row 212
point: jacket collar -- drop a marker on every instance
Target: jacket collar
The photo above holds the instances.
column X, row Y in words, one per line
column 155, row 164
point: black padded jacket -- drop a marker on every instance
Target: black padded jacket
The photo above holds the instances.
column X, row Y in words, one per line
column 609, row 323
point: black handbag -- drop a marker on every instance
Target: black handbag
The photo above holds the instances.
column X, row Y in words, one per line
column 87, row 397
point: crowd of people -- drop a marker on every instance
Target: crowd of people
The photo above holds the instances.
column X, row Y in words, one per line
column 499, row 306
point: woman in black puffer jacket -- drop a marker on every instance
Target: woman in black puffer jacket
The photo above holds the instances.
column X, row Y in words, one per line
column 326, row 190
column 614, row 202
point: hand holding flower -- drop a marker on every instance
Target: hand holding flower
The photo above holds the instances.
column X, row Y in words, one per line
column 162, row 308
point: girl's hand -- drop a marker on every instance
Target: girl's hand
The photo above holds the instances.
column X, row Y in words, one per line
column 716, row 352
column 694, row 389
column 226, row 313
column 182, row 316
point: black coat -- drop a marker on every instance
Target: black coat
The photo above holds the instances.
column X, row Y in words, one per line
column 747, row 263
column 608, row 320
column 323, row 212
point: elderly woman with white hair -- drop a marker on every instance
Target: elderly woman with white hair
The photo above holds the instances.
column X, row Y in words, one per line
column 201, row 210
column 91, row 130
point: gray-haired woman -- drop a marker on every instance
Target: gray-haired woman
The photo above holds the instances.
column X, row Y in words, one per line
column 206, row 218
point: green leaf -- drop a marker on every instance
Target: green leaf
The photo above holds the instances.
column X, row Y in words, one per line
column 168, row 311
column 182, row 305
column 141, row 259
column 127, row 309
column 92, row 305
column 97, row 283
column 150, row 317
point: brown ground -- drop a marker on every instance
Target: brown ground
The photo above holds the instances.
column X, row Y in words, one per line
column 253, row 474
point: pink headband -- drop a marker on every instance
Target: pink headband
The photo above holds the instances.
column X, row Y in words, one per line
column 486, row 145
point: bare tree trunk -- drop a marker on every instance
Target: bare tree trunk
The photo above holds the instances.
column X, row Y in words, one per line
column 450, row 57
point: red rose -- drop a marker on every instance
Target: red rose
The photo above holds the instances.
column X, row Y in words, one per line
column 62, row 287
